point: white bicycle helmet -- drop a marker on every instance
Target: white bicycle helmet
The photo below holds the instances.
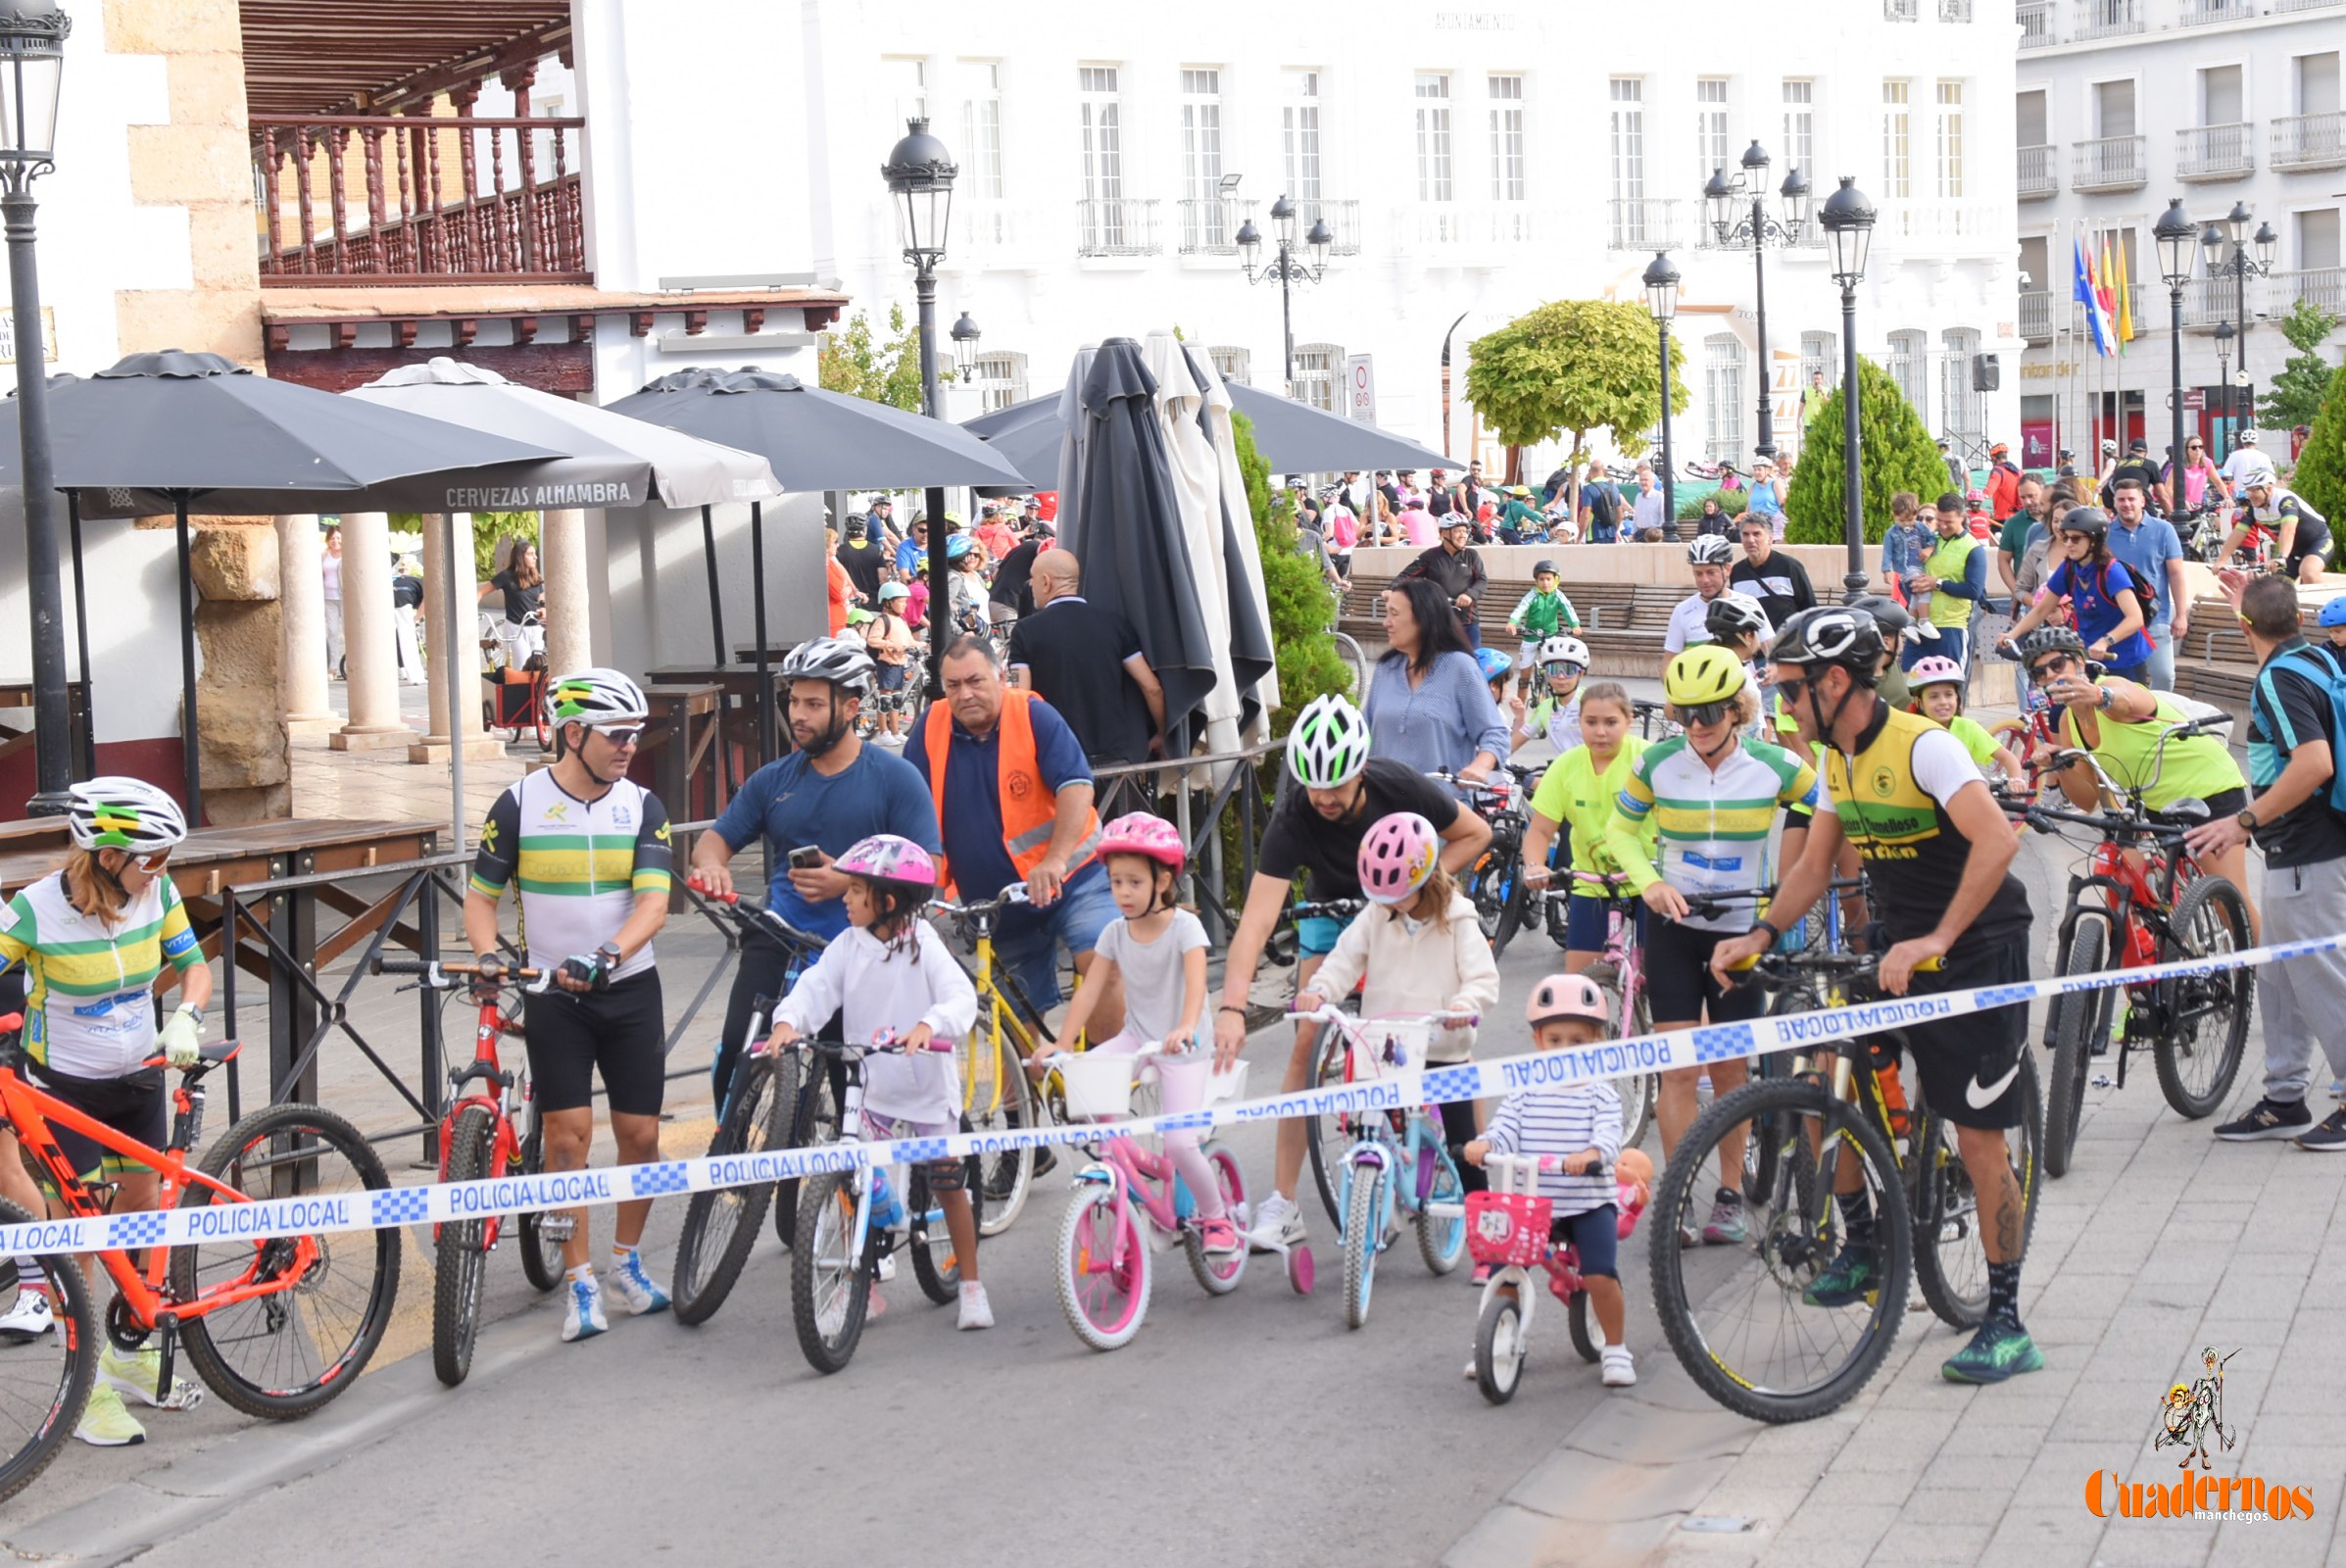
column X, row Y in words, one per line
column 1328, row 745
column 1561, row 649
column 1711, row 550
column 844, row 664
column 596, row 696
column 123, row 813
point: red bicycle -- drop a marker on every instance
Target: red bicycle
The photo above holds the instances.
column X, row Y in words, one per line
column 492, row 1128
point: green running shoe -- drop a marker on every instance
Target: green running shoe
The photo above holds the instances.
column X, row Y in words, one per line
column 1848, row 1279
column 1999, row 1351
column 105, row 1423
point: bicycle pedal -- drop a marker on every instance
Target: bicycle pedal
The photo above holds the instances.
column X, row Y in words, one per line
column 558, row 1227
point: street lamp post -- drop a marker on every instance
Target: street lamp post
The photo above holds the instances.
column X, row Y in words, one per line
column 1724, row 194
column 2223, row 384
column 32, row 38
column 2176, row 237
column 1661, row 299
column 1848, row 220
column 965, row 335
column 920, row 177
column 1284, row 267
column 2239, row 266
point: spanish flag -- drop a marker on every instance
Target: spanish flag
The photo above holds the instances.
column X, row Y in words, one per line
column 2125, row 299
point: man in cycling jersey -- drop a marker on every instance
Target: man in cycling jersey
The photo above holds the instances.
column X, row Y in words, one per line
column 589, row 848
column 1938, row 851
column 1344, row 791
column 2298, row 534
column 1710, row 557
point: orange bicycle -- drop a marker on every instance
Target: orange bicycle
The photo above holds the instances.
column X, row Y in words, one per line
column 277, row 1325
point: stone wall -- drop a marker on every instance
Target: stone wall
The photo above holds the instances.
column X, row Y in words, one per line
column 240, row 638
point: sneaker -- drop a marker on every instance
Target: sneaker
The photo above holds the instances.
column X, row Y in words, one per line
column 1999, row 1351
column 1620, row 1367
column 2337, row 1089
column 1471, row 1372
column 28, row 1319
column 106, row 1424
column 1218, row 1236
column 1278, row 1223
column 635, row 1288
column 976, row 1312
column 582, row 1315
column 140, row 1376
column 1480, row 1275
column 1848, row 1279
column 2271, row 1118
column 1687, row 1237
column 1729, row 1225
column 2328, row 1136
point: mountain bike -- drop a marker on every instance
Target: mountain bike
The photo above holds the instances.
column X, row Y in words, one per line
column 276, row 1327
column 1494, row 883
column 996, row 1095
column 492, row 1129
column 1759, row 1338
column 1622, row 970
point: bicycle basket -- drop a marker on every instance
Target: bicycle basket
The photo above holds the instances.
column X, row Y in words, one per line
column 1406, row 1039
column 1504, row 1229
column 1098, row 1086
column 1189, row 1082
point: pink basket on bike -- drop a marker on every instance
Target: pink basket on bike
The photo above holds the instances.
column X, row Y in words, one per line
column 1507, row 1229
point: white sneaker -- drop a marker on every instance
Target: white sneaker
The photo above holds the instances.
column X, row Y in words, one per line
column 1471, row 1373
column 582, row 1312
column 1620, row 1367
column 976, row 1311
column 28, row 1319
column 1278, row 1223
column 635, row 1287
column 885, row 1269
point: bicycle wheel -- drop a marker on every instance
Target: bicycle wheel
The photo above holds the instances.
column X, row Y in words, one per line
column 1365, row 1219
column 1487, row 884
column 1576, row 1320
column 1103, row 1272
column 1005, row 1179
column 44, row 1381
column 720, row 1225
column 1326, row 1137
column 323, row 1299
column 1499, row 1346
column 1441, row 1238
column 1219, row 1276
column 935, row 1263
column 830, row 1277
column 541, row 1253
column 1950, row 1262
column 460, row 1255
column 2207, row 1017
column 2075, row 1024
column 1744, row 1324
column 812, row 1118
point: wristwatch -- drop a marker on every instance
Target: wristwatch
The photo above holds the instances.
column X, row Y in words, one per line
column 2247, row 820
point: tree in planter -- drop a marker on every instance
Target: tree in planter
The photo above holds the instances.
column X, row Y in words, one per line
column 1303, row 606
column 2321, row 475
column 888, row 371
column 1895, row 451
column 2296, row 394
column 1568, row 367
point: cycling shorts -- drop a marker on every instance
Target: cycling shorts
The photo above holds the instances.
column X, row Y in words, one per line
column 1595, row 1235
column 1588, row 921
column 1678, row 984
column 1958, row 1058
column 617, row 1033
column 2312, row 541
column 134, row 1104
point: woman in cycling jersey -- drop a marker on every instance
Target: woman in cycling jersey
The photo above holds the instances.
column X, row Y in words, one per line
column 1576, row 793
column 93, row 938
column 1714, row 798
column 1428, row 706
column 2100, row 590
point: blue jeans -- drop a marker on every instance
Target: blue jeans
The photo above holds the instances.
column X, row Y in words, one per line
column 1952, row 643
column 2161, row 663
column 1028, row 941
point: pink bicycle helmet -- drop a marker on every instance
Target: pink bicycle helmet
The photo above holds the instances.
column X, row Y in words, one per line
column 1567, row 996
column 1143, row 833
column 893, row 863
column 1396, row 857
column 1932, row 671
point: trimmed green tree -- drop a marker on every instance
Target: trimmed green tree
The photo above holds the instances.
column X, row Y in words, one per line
column 1302, row 607
column 2296, row 394
column 2321, row 475
column 1568, row 367
column 886, row 372
column 1895, row 451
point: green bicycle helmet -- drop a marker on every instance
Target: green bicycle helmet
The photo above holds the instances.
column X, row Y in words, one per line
column 1328, row 745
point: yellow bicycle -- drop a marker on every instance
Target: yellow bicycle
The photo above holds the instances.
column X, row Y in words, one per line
column 996, row 1095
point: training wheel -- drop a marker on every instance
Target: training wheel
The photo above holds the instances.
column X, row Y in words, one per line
column 1298, row 1270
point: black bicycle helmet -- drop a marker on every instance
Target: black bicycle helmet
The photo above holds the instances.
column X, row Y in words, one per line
column 1832, row 634
column 2050, row 640
column 1539, row 566
column 1889, row 615
column 2092, row 522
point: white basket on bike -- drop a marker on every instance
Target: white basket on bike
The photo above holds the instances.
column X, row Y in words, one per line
column 1189, row 1082
column 1377, row 1039
column 1098, row 1086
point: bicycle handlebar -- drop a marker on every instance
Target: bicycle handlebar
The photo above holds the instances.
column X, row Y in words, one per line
column 436, row 975
column 755, row 917
column 1328, row 1012
column 1330, row 908
column 1015, row 893
column 884, row 1044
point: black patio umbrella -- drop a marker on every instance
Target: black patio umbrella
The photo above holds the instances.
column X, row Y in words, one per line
column 818, row 440
column 163, row 431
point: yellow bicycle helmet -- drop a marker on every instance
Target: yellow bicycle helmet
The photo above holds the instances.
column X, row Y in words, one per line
column 1703, row 674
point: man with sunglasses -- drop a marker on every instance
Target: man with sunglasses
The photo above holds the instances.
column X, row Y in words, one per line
column 589, row 849
column 1938, row 851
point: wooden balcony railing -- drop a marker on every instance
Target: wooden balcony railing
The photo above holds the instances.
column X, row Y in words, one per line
column 398, row 199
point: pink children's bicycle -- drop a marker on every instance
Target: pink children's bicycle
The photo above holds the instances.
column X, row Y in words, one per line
column 1104, row 1256
column 1507, row 1227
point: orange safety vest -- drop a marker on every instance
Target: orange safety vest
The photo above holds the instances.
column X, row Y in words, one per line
column 1029, row 809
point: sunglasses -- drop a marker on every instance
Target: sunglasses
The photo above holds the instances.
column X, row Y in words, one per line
column 2039, row 674
column 1705, row 712
column 1559, row 668
column 1792, row 690
column 153, row 863
column 622, row 736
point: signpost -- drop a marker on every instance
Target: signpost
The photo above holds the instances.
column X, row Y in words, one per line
column 1361, row 388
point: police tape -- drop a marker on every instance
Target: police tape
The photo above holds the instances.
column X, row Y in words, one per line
column 378, row 1209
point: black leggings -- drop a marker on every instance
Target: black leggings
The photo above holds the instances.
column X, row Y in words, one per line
column 1457, row 1131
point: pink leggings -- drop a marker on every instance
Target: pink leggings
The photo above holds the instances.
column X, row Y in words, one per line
column 1181, row 1147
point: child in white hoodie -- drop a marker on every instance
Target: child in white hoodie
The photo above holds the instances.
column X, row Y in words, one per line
column 1421, row 949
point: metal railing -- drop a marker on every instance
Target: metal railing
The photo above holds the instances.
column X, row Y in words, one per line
column 1117, row 225
column 2108, row 162
column 1210, row 226
column 1468, row 226
column 2214, row 152
column 1955, row 10
column 1343, row 218
column 2280, row 6
column 412, row 199
column 2038, row 175
column 2199, row 12
column 1643, row 223
column 2035, row 17
column 2208, row 300
column 1900, row 10
column 2309, row 141
column 2110, row 19
column 2036, row 315
column 2324, row 286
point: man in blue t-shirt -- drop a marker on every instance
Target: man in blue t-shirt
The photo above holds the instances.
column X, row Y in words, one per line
column 831, row 791
column 2154, row 553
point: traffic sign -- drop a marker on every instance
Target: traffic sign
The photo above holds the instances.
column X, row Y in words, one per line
column 1361, row 388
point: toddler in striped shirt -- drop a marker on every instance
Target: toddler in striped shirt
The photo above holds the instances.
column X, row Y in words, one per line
column 1581, row 1122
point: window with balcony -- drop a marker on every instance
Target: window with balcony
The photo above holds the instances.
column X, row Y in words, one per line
column 1233, row 363
column 1909, row 367
column 1800, row 124
column 1434, row 183
column 1966, row 410
column 1722, row 397
column 1109, row 223
column 2035, row 17
column 1206, row 225
column 2314, row 137
column 2113, row 159
column 2038, row 175
column 1299, row 134
column 2036, row 288
column 1506, row 138
column 2317, row 277
column 981, row 129
column 1319, row 376
column 1627, row 147
column 1000, row 378
column 2109, row 19
column 2218, row 147
column 1950, row 140
column 909, row 87
column 1897, row 139
column 1710, row 128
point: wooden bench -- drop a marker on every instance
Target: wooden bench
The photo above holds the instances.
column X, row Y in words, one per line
column 1621, row 622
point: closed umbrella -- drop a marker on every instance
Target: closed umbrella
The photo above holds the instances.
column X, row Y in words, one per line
column 1293, row 437
column 1254, row 653
column 1194, row 476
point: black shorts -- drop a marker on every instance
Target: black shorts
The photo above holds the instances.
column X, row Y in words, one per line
column 1595, row 1235
column 2309, row 541
column 618, row 1033
column 135, row 1106
column 1956, row 1057
column 1680, row 985
column 2225, row 802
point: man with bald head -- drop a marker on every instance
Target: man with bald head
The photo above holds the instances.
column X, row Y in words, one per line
column 1115, row 705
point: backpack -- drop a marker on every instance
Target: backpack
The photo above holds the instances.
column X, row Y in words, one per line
column 2330, row 682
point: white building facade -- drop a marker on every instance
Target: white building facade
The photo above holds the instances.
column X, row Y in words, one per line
column 1472, row 164
column 2123, row 106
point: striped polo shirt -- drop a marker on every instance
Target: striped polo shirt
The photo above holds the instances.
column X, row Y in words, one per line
column 89, row 999
column 578, row 864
